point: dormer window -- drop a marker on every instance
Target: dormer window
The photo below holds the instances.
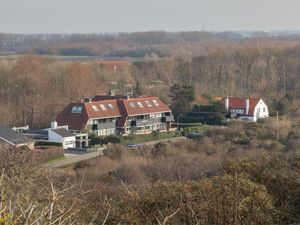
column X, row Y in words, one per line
column 103, row 107
column 95, row 108
column 76, row 109
column 140, row 104
column 155, row 102
column 148, row 103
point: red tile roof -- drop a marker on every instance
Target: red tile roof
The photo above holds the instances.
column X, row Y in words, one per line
column 155, row 105
column 240, row 103
column 75, row 121
column 119, row 107
column 78, row 121
column 111, row 109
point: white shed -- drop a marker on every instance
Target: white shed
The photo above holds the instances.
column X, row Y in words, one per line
column 61, row 135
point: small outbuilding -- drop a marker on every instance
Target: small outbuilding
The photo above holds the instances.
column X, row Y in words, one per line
column 63, row 136
column 13, row 139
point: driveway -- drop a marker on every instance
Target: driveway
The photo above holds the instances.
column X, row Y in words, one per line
column 72, row 157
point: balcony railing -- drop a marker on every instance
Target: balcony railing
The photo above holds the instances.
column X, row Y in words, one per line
column 101, row 126
column 167, row 119
column 137, row 123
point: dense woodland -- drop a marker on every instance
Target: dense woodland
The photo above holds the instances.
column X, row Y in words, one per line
column 34, row 89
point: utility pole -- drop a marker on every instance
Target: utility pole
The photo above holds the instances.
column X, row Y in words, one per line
column 277, row 126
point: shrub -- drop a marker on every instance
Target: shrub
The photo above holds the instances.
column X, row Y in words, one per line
column 45, row 154
column 115, row 152
column 154, row 136
column 47, row 143
column 199, row 129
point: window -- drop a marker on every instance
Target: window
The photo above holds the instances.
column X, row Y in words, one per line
column 140, row 104
column 102, row 107
column 79, row 109
column 155, row 103
column 132, row 105
column 158, row 115
column 74, row 109
column 148, row 103
column 69, row 142
column 95, row 108
column 110, row 106
column 264, row 109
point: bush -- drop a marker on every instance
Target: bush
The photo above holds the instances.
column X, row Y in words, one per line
column 47, row 143
column 114, row 139
column 115, row 152
column 46, row 154
column 155, row 136
column 199, row 129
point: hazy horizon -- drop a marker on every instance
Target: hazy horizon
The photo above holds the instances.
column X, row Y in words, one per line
column 115, row 16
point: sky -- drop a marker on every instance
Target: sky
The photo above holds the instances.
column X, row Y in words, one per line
column 100, row 16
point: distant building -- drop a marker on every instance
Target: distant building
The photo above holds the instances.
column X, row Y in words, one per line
column 249, row 109
column 13, row 139
column 123, row 115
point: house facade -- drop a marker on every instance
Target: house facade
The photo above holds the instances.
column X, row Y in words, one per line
column 63, row 136
column 122, row 115
column 247, row 109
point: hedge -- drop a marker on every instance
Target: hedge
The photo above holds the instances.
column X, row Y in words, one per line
column 198, row 129
column 155, row 136
column 134, row 138
column 47, row 143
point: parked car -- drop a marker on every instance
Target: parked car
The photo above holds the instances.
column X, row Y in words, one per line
column 194, row 135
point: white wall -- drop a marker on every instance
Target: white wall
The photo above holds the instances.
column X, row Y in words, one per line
column 261, row 110
column 67, row 142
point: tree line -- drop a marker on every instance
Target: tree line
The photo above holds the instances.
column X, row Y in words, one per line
column 35, row 89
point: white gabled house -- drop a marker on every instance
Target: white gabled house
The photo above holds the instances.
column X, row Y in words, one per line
column 248, row 109
column 61, row 135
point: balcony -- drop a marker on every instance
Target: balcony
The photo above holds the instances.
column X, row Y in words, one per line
column 167, row 119
column 107, row 125
column 138, row 123
column 101, row 126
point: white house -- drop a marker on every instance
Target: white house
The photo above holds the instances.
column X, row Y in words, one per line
column 248, row 109
column 61, row 135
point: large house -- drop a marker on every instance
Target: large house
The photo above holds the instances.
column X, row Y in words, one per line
column 122, row 115
column 250, row 109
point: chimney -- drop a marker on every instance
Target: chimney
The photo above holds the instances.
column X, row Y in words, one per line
column 53, row 124
column 227, row 104
column 247, row 106
column 86, row 99
column 111, row 93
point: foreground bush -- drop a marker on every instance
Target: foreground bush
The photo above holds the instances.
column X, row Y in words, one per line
column 220, row 200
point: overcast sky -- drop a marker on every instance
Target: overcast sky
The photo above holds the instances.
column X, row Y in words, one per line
column 94, row 16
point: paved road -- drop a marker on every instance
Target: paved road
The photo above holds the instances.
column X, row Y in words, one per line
column 72, row 157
